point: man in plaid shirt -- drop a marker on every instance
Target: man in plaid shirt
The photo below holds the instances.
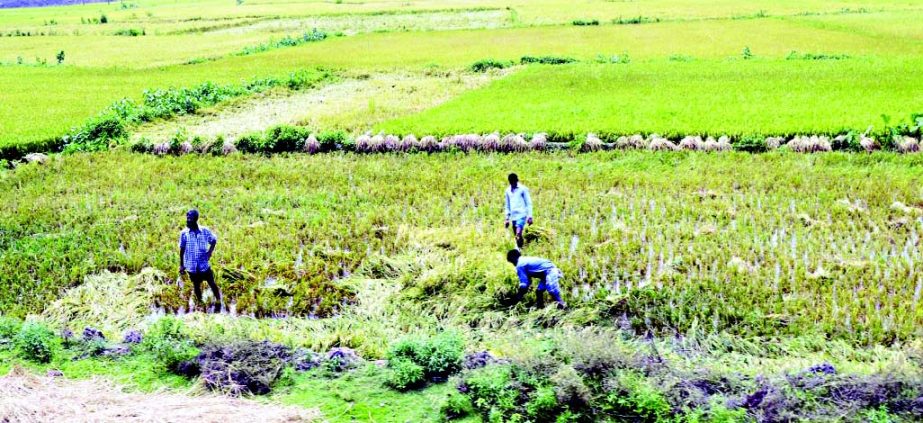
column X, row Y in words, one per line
column 196, row 245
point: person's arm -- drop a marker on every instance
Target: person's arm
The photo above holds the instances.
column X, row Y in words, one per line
column 212, row 241
column 523, row 275
column 528, row 200
column 506, row 207
column 182, row 252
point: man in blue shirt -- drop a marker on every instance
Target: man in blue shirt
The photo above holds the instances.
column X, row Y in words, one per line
column 518, row 207
column 528, row 268
column 196, row 245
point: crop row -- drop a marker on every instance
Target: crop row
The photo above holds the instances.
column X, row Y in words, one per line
column 292, row 139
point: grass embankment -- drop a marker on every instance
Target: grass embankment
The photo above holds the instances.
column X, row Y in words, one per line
column 755, row 245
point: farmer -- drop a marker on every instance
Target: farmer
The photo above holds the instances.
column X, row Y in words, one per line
column 196, row 245
column 528, row 268
column 518, row 208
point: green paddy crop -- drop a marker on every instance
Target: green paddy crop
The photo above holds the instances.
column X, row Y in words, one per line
column 714, row 97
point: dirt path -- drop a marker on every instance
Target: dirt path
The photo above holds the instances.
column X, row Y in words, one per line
column 352, row 104
column 28, row 398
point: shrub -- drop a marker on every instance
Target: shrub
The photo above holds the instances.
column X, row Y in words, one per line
column 581, row 22
column 487, row 64
column 332, row 140
column 250, row 143
column 36, row 342
column 456, row 406
column 9, row 328
column 546, row 60
column 569, row 388
column 631, row 394
column 437, row 357
column 491, row 391
column 751, row 144
column 405, row 374
column 284, row 139
column 543, row 404
column 169, row 344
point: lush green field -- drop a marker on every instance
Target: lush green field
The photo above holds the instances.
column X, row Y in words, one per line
column 778, row 97
column 66, row 95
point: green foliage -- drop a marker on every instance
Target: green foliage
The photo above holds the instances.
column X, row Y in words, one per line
column 546, row 60
column 630, row 394
column 438, row 356
column 36, row 342
column 543, row 404
column 287, row 41
column 487, row 64
column 582, row 22
column 405, row 374
column 60, row 57
column 751, row 144
column 9, row 328
column 169, row 343
column 456, row 406
column 284, row 139
column 492, row 392
column 332, row 140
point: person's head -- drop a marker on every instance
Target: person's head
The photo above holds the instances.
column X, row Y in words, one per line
column 514, row 180
column 512, row 256
column 192, row 219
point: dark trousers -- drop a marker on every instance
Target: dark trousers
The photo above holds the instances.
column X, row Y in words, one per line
column 208, row 276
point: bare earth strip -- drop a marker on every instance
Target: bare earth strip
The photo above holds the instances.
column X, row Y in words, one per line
column 27, row 398
column 352, row 104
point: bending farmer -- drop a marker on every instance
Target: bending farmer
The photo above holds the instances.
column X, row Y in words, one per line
column 196, row 245
column 518, row 207
column 528, row 268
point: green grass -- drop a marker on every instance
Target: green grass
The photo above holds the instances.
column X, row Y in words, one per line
column 715, row 97
column 135, row 371
column 64, row 96
column 613, row 217
column 362, row 396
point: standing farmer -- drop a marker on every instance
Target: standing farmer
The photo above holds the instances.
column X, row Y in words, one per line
column 196, row 245
column 518, row 207
column 528, row 268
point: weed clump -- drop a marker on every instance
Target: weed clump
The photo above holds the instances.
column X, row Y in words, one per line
column 485, row 65
column 169, row 343
column 415, row 360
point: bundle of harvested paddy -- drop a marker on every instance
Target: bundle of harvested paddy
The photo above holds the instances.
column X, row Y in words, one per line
column 907, row 145
column 409, row 143
column 692, row 143
column 593, row 143
column 539, row 141
column 869, row 144
column 659, row 143
column 311, row 145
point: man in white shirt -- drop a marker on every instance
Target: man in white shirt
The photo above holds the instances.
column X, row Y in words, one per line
column 518, row 207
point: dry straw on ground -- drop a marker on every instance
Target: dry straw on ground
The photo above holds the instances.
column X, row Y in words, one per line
column 28, row 398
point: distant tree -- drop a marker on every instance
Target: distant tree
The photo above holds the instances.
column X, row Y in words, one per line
column 60, row 57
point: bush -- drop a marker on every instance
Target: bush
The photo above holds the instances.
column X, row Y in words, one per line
column 437, row 357
column 631, row 394
column 169, row 343
column 751, row 144
column 491, row 391
column 456, row 406
column 9, row 328
column 543, row 405
column 581, row 22
column 546, row 60
column 284, row 139
column 487, row 64
column 36, row 342
column 405, row 374
column 331, row 140
column 250, row 143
